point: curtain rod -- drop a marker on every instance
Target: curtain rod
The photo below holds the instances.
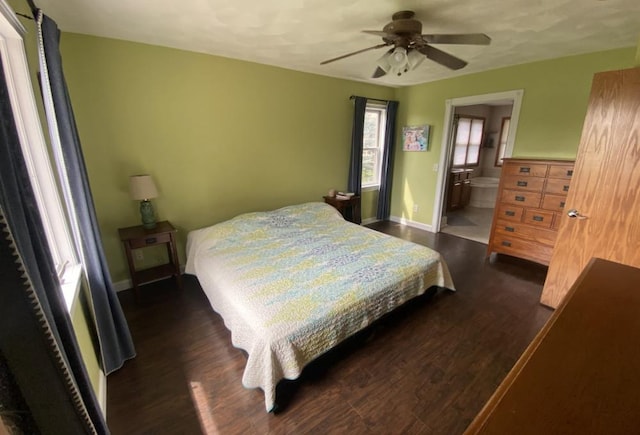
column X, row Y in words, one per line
column 370, row 99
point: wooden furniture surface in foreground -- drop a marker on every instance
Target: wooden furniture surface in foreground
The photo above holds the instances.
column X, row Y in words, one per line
column 580, row 374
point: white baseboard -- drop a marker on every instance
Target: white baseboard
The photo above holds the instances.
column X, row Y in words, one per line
column 411, row 223
column 369, row 221
column 126, row 284
column 102, row 394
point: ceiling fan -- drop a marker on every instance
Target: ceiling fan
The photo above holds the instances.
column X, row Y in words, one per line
column 411, row 47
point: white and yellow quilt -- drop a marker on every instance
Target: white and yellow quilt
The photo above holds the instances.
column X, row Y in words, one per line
column 292, row 283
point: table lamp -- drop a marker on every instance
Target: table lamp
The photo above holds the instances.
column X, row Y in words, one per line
column 143, row 188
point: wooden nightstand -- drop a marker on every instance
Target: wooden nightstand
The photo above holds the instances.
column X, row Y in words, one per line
column 349, row 208
column 138, row 237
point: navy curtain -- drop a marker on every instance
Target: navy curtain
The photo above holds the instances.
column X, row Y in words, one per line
column 384, row 195
column 357, row 133
column 116, row 345
column 37, row 340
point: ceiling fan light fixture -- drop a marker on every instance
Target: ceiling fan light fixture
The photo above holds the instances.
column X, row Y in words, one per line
column 414, row 58
column 383, row 62
column 398, row 58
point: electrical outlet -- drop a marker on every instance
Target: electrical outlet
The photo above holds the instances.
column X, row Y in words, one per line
column 416, row 207
column 435, row 167
column 139, row 254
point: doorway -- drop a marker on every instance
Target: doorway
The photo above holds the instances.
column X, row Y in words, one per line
column 479, row 131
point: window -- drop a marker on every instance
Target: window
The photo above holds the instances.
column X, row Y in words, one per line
column 468, row 138
column 375, row 119
column 34, row 149
column 502, row 143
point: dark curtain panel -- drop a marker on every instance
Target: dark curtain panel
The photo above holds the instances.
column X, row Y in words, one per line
column 357, row 133
column 37, row 340
column 116, row 345
column 386, row 177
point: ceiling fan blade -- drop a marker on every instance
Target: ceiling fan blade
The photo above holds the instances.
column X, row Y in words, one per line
column 383, row 34
column 379, row 72
column 377, row 33
column 355, row 52
column 463, row 38
column 441, row 57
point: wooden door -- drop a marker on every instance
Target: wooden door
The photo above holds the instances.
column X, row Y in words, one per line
column 605, row 187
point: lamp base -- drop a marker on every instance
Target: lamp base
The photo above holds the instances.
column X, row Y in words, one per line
column 148, row 217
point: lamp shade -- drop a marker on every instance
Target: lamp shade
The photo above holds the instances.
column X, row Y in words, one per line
column 142, row 187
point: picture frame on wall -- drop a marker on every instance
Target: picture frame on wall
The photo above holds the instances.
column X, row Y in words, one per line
column 415, row 138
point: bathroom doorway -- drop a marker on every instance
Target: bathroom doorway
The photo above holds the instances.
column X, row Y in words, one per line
column 480, row 132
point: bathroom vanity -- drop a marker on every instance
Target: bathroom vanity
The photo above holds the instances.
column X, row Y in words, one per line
column 459, row 191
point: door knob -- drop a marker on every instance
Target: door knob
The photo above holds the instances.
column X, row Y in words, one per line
column 573, row 213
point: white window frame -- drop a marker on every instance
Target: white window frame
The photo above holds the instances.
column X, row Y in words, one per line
column 381, row 110
column 35, row 151
column 502, row 140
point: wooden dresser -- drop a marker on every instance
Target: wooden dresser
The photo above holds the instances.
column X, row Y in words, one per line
column 580, row 374
column 531, row 198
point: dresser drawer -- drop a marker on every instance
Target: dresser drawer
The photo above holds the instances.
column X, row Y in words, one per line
column 554, row 202
column 521, row 248
column 522, row 198
column 525, row 169
column 539, row 218
column 151, row 240
column 528, row 232
column 560, row 171
column 556, row 221
column 510, row 212
column 518, row 182
column 557, row 186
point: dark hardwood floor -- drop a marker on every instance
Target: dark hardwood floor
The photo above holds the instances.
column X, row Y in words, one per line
column 427, row 368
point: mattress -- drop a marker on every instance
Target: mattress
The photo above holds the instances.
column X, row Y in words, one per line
column 292, row 283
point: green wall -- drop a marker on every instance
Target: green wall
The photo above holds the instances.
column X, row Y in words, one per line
column 223, row 137
column 80, row 314
column 553, row 108
column 219, row 136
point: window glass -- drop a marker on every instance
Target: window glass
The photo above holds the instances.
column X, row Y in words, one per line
column 372, row 144
column 468, row 138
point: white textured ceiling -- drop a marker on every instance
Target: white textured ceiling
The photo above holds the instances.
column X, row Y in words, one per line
column 299, row 34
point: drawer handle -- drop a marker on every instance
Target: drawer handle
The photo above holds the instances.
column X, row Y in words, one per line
column 150, row 240
column 522, row 183
column 510, row 213
column 561, row 204
column 507, row 244
column 569, row 172
column 538, row 218
column 525, row 170
column 519, row 198
column 565, row 188
column 510, row 229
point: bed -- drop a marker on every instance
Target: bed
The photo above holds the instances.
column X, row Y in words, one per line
column 292, row 283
